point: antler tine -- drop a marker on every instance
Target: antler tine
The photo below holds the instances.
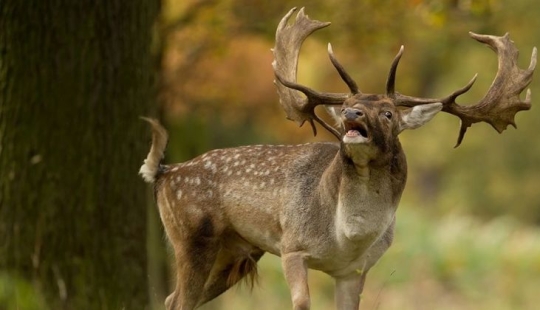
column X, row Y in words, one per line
column 353, row 87
column 408, row 101
column 289, row 39
column 391, row 81
column 500, row 104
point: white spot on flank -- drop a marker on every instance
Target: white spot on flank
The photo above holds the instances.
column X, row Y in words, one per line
column 193, row 210
column 174, row 169
column 178, row 194
column 236, row 163
column 209, row 194
column 187, row 180
column 197, row 181
column 207, row 164
column 236, row 156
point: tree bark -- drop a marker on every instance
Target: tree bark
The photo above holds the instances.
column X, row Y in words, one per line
column 74, row 77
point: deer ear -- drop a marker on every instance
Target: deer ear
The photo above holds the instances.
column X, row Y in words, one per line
column 417, row 116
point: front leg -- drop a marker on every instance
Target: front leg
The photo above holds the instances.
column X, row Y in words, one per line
column 349, row 291
column 295, row 270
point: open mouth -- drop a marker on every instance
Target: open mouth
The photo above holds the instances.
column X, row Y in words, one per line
column 354, row 130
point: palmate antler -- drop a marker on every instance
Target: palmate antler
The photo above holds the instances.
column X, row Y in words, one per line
column 289, row 39
column 498, row 107
column 501, row 102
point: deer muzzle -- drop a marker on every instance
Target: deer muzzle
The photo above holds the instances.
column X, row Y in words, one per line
column 354, row 122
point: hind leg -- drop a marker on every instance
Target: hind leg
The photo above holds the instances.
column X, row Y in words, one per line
column 192, row 272
column 195, row 257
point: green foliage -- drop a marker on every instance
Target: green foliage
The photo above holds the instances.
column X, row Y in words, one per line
column 481, row 265
column 18, row 294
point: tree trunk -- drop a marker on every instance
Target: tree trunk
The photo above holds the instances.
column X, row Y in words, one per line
column 74, row 77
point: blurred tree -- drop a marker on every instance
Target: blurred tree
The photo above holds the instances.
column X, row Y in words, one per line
column 74, row 77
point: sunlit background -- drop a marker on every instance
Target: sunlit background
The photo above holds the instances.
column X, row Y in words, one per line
column 467, row 234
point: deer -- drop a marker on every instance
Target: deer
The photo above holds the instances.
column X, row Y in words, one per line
column 328, row 206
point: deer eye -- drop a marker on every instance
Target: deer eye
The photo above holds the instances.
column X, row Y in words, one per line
column 388, row 114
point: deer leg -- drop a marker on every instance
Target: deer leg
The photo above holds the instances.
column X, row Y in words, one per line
column 195, row 254
column 192, row 272
column 349, row 291
column 229, row 270
column 295, row 270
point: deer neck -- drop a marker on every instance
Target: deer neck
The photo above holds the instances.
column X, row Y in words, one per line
column 345, row 175
column 365, row 195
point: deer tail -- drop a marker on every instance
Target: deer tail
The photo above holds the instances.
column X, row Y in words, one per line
column 150, row 168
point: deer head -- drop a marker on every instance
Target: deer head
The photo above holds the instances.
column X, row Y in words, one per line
column 498, row 107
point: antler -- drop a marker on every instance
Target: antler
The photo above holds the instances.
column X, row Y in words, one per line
column 289, row 39
column 500, row 104
column 498, row 107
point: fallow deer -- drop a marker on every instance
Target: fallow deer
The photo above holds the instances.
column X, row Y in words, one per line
column 325, row 206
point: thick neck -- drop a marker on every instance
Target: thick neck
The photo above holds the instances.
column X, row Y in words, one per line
column 385, row 176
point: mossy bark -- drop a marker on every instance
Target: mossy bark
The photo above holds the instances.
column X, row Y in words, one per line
column 74, row 77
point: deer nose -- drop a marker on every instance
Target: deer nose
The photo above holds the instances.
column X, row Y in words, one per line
column 352, row 114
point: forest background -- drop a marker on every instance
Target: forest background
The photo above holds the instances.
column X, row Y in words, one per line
column 468, row 232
